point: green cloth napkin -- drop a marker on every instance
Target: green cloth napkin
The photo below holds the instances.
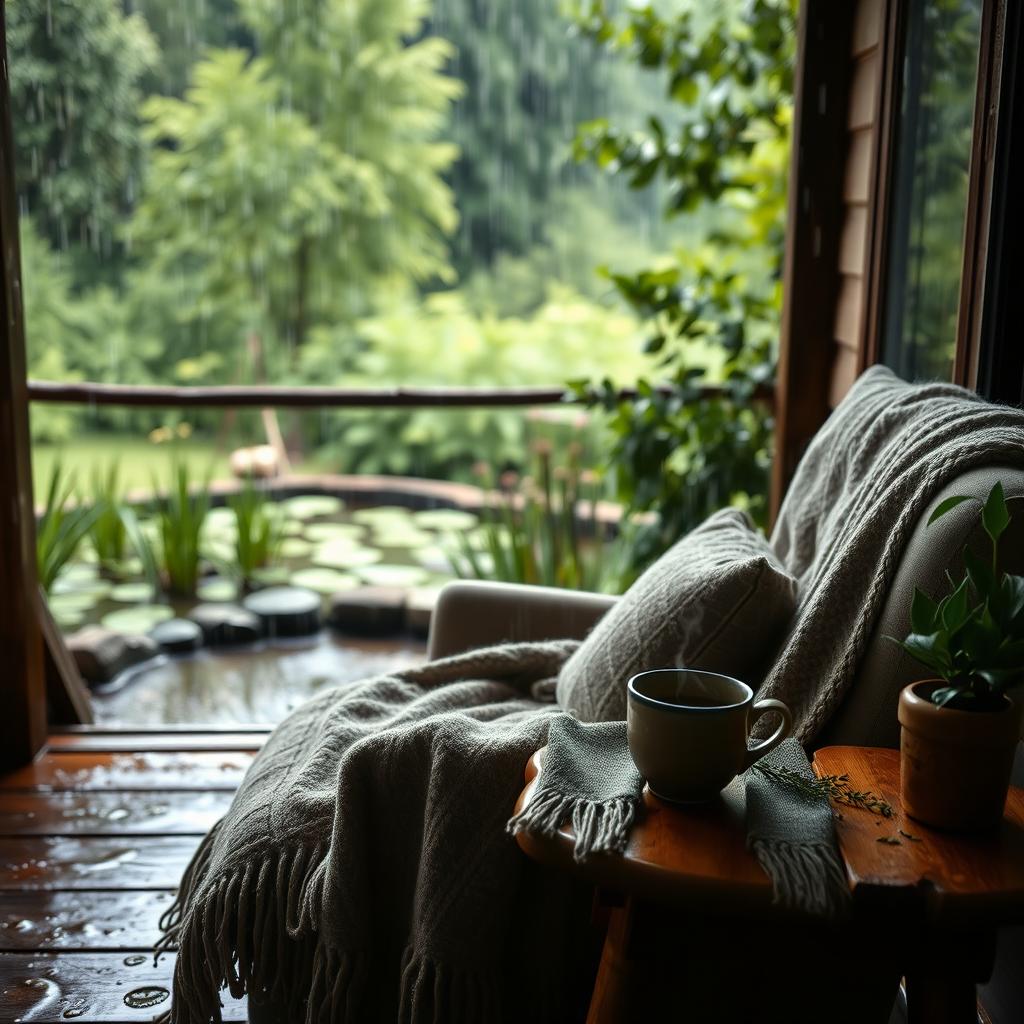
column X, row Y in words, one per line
column 588, row 779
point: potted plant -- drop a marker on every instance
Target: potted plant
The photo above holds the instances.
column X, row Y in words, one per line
column 959, row 728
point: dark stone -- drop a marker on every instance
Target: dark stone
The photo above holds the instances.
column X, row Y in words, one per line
column 177, row 636
column 369, row 611
column 286, row 611
column 101, row 653
column 225, row 625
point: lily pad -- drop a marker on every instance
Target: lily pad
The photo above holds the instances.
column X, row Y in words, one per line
column 140, row 619
column 382, row 513
column 401, row 536
column 272, row 575
column 76, row 601
column 131, row 593
column 393, row 575
column 95, row 589
column 333, row 531
column 292, row 528
column 334, row 555
column 324, row 581
column 435, row 559
column 446, row 520
column 219, row 518
column 128, row 567
column 312, row 506
column 78, row 573
column 295, row 547
column 217, row 589
column 68, row 618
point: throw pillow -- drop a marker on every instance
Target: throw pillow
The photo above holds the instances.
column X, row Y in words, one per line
column 718, row 600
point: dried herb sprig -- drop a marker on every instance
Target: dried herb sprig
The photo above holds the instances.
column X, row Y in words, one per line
column 829, row 787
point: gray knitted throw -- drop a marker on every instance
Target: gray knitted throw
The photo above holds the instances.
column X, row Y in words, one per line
column 363, row 872
column 588, row 780
column 862, row 485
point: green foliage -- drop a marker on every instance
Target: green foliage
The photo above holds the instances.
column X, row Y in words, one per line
column 180, row 513
column 465, row 349
column 533, row 532
column 107, row 532
column 729, row 68
column 61, row 529
column 259, row 530
column 75, row 79
column 973, row 637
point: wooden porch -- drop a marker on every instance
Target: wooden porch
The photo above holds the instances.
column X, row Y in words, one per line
column 94, row 836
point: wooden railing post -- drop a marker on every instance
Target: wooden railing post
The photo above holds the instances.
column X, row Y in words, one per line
column 22, row 685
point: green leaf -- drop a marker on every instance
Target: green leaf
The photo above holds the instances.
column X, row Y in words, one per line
column 995, row 516
column 923, row 611
column 931, row 650
column 955, row 609
column 945, row 506
column 979, row 571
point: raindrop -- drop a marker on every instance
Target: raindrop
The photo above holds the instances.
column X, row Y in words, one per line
column 148, row 995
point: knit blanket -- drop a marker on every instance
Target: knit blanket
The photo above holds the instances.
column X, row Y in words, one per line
column 867, row 477
column 363, row 872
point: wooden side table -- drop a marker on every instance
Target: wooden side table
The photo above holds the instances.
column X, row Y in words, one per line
column 692, row 928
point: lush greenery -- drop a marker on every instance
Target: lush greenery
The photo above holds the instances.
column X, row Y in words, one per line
column 259, row 533
column 361, row 192
column 728, row 67
column 180, row 513
column 973, row 637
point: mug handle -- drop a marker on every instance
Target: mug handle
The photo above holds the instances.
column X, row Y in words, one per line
column 784, row 729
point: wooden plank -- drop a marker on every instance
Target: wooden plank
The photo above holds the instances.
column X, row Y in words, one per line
column 864, row 92
column 853, row 242
column 94, row 862
column 849, row 312
column 867, row 26
column 155, row 812
column 814, row 222
column 99, row 922
column 22, row 684
column 967, row 878
column 90, row 988
column 844, row 373
column 859, row 166
column 68, row 696
column 200, row 770
column 134, row 742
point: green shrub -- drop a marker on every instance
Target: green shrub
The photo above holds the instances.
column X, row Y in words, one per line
column 259, row 530
column 180, row 514
column 61, row 529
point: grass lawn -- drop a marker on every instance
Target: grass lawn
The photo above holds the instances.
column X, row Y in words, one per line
column 138, row 458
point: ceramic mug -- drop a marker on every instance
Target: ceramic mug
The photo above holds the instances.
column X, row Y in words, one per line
column 688, row 729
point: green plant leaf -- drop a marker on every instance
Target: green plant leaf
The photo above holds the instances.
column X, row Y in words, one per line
column 995, row 516
column 945, row 694
column 955, row 609
column 945, row 506
column 923, row 611
column 979, row 571
column 931, row 650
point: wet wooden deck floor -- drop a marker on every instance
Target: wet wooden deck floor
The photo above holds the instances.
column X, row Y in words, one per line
column 93, row 839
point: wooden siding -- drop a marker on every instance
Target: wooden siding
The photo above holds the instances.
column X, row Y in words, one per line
column 849, row 341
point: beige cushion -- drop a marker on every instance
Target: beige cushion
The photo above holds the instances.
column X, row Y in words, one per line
column 867, row 716
column 718, row 600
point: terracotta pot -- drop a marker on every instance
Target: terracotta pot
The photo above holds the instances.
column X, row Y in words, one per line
column 954, row 765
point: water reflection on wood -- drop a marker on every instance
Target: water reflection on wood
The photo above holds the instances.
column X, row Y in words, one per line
column 263, row 684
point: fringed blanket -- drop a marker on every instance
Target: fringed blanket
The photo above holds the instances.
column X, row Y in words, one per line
column 363, row 872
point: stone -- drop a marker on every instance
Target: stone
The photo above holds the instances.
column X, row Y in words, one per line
column 368, row 611
column 101, row 654
column 225, row 625
column 177, row 636
column 286, row 611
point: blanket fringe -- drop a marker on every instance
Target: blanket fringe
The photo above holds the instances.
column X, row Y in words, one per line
column 805, row 876
column 598, row 827
column 246, row 931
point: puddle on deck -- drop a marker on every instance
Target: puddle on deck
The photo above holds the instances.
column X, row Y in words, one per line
column 258, row 685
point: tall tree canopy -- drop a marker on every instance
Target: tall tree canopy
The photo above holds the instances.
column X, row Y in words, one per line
column 75, row 95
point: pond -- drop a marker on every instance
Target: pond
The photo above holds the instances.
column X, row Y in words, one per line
column 401, row 555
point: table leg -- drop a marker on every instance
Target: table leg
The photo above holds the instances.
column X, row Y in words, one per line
column 941, row 999
column 946, row 967
column 612, row 986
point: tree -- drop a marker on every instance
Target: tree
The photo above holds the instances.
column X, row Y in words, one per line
column 75, row 73
column 298, row 183
column 729, row 70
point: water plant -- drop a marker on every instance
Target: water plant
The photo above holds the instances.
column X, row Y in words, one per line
column 61, row 528
column 532, row 531
column 260, row 530
column 180, row 514
column 107, row 532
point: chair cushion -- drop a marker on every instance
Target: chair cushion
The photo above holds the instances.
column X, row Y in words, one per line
column 718, row 600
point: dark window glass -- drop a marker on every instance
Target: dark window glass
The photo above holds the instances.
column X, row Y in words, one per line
column 933, row 150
